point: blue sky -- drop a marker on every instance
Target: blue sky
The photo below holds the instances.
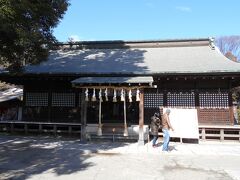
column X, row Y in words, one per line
column 149, row 19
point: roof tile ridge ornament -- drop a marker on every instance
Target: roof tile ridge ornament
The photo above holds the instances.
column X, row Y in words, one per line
column 211, row 43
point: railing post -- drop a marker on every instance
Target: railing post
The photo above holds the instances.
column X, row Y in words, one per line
column 239, row 135
column 69, row 130
column 55, row 129
column 25, row 128
column 221, row 134
column 203, row 134
column 12, row 127
column 40, row 128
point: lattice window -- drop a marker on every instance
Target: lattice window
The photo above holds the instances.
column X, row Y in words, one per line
column 152, row 100
column 36, row 99
column 63, row 99
column 214, row 116
column 213, row 100
column 181, row 100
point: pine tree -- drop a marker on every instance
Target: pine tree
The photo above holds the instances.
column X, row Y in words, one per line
column 26, row 30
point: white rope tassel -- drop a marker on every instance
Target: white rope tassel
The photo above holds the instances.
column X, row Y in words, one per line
column 100, row 95
column 106, row 94
column 94, row 95
column 122, row 95
column 138, row 95
column 114, row 96
column 130, row 95
column 86, row 95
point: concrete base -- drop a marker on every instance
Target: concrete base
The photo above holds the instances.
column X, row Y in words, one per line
column 99, row 132
column 125, row 133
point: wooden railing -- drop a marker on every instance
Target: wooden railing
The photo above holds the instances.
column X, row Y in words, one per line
column 40, row 127
column 206, row 132
column 222, row 133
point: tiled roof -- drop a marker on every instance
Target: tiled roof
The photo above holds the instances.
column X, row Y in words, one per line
column 136, row 57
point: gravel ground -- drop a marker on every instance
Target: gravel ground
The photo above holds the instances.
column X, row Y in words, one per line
column 50, row 158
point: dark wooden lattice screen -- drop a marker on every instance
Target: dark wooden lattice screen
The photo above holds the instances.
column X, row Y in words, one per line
column 36, row 99
column 213, row 100
column 181, row 100
column 152, row 102
column 214, row 108
column 214, row 116
column 63, row 99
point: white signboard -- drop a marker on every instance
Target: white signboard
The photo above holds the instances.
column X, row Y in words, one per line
column 184, row 122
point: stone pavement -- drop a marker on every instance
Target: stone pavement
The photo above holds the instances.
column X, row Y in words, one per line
column 58, row 158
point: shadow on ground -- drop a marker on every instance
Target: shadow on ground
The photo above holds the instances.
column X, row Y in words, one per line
column 21, row 157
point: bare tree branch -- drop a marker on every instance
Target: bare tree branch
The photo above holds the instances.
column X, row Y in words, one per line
column 229, row 44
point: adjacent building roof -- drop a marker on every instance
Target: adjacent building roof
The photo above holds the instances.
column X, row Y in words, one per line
column 137, row 58
column 10, row 94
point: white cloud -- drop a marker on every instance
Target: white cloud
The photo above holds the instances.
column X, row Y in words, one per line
column 184, row 8
column 74, row 38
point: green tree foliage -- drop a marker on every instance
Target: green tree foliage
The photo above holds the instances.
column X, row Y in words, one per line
column 26, row 30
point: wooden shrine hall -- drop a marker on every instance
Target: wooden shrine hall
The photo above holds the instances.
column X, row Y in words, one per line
column 116, row 86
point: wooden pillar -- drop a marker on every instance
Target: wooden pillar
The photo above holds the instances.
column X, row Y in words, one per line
column 83, row 117
column 141, row 120
column 197, row 103
column 19, row 118
column 231, row 108
column 99, row 132
column 125, row 133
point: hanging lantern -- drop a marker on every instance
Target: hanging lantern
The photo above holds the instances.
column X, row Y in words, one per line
column 115, row 96
column 86, row 95
column 130, row 95
column 106, row 95
column 122, row 95
column 138, row 95
column 94, row 95
column 100, row 95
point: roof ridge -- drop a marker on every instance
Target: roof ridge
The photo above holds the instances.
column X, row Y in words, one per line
column 136, row 44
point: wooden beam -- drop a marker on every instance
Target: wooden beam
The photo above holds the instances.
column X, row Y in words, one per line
column 99, row 133
column 141, row 120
